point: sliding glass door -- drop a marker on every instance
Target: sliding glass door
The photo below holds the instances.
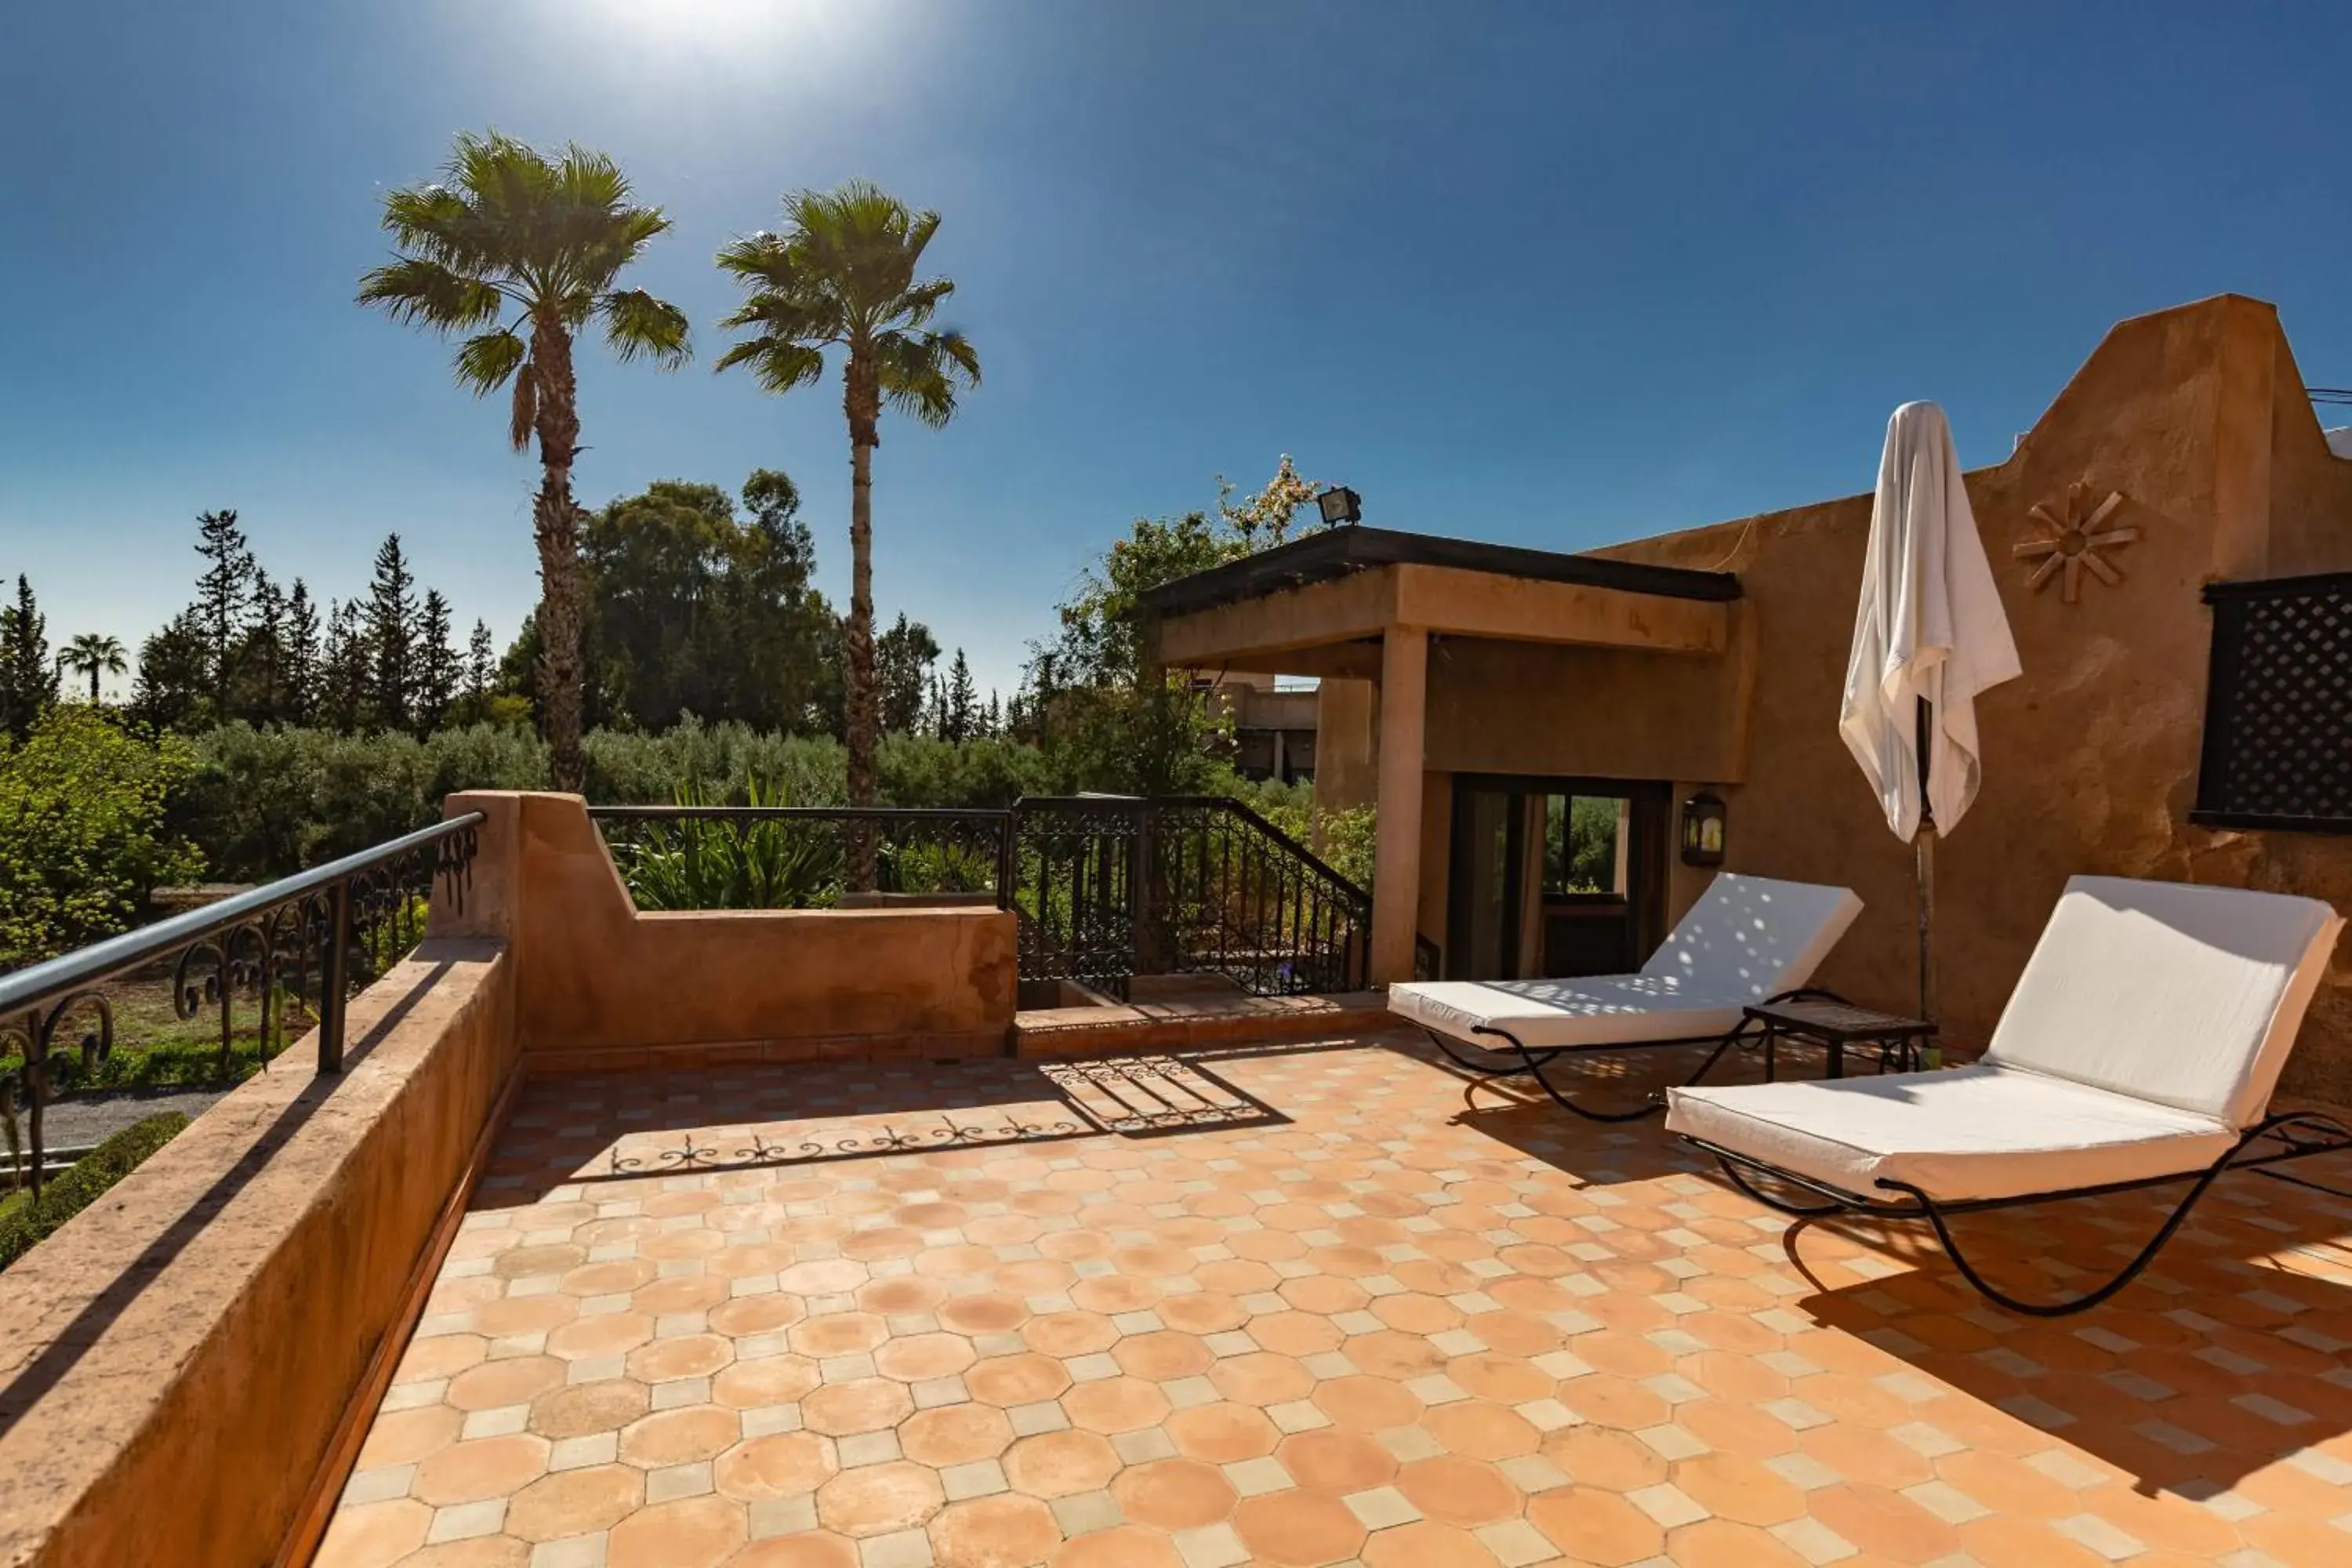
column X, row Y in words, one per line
column 1554, row 876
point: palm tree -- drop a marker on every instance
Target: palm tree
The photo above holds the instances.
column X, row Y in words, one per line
column 512, row 230
column 842, row 275
column 93, row 654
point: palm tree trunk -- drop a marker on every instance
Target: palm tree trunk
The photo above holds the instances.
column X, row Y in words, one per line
column 864, row 717
column 555, row 520
column 93, row 685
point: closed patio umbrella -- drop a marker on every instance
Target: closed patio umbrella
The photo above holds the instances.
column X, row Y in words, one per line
column 1928, row 635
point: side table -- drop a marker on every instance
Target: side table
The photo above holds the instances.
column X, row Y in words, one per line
column 1902, row 1042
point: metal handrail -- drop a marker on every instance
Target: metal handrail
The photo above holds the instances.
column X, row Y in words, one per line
column 266, row 943
column 1216, row 801
column 806, row 813
column 27, row 988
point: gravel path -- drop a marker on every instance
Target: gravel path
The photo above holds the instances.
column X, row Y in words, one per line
column 83, row 1120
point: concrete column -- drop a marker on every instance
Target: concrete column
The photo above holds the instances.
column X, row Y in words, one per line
column 1396, row 864
column 1344, row 771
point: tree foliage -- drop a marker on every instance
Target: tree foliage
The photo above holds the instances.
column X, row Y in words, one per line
column 83, row 835
column 693, row 610
column 1110, row 719
column 29, row 681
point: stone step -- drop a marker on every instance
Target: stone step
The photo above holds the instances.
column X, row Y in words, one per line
column 1145, row 1025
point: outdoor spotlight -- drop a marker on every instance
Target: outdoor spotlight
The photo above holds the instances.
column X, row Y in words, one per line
column 1702, row 829
column 1339, row 504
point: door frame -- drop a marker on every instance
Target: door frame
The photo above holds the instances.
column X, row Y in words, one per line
column 1646, row 852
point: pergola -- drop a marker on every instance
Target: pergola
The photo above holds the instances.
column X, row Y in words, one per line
column 1355, row 603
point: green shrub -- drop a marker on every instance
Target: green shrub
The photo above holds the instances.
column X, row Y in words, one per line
column 85, row 1184
column 696, row 863
column 83, row 830
column 266, row 802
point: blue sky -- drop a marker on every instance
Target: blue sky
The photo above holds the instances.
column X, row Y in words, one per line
column 1549, row 274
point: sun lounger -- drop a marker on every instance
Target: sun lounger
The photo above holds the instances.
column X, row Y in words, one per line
column 2141, row 1047
column 1748, row 939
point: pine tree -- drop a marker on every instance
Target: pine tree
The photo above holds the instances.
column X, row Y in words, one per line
column 302, row 655
column 346, row 672
column 904, row 657
column 223, row 594
column 174, row 675
column 29, row 681
column 259, row 693
column 437, row 663
column 391, row 636
column 481, row 662
column 960, row 704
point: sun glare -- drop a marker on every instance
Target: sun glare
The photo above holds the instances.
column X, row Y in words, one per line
column 732, row 24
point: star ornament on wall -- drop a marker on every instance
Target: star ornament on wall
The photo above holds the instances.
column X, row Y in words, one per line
column 2074, row 533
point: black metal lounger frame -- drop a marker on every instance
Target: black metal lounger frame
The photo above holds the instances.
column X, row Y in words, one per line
column 2303, row 1133
column 1532, row 1058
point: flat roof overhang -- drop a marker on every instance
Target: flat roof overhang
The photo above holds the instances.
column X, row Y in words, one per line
column 1320, row 606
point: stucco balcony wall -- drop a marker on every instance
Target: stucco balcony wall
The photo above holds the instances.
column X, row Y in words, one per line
column 181, row 1356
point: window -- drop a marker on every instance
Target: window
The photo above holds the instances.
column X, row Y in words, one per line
column 1584, row 845
column 2278, row 706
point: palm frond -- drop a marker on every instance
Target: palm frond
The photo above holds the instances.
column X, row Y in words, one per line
column 417, row 290
column 780, row 364
column 842, row 270
column 922, row 374
column 486, row 359
column 638, row 323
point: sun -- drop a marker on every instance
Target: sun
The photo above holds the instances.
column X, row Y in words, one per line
column 728, row 23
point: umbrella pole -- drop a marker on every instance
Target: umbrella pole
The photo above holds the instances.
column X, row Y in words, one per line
column 1924, row 869
column 1924, row 849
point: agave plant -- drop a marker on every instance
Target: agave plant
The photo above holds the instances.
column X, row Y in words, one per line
column 706, row 863
column 937, row 867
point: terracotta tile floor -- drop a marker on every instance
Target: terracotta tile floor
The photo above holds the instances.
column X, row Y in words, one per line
column 1333, row 1318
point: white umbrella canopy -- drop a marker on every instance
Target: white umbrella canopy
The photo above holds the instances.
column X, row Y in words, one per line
column 1929, row 634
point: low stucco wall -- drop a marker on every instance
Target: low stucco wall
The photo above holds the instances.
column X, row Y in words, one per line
column 601, row 984
column 180, row 1355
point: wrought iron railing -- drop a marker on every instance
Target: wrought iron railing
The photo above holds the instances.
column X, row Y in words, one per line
column 1076, row 877
column 1229, row 893
column 787, row 858
column 1112, row 887
column 324, row 934
column 1105, row 887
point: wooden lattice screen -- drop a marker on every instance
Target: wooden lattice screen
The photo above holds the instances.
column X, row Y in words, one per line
column 2278, row 707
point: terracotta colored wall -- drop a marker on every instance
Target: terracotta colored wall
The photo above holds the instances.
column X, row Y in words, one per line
column 2196, row 416
column 179, row 1354
column 598, row 977
column 1528, row 708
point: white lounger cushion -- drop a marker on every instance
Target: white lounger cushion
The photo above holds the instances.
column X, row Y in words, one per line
column 1976, row 1131
column 2189, row 997
column 1753, row 937
column 2147, row 1032
column 1599, row 1010
column 1746, row 938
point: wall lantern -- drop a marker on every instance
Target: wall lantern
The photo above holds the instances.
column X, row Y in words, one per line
column 1702, row 829
column 1339, row 504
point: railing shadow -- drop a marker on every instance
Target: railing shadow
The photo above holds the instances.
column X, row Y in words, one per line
column 605, row 1128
